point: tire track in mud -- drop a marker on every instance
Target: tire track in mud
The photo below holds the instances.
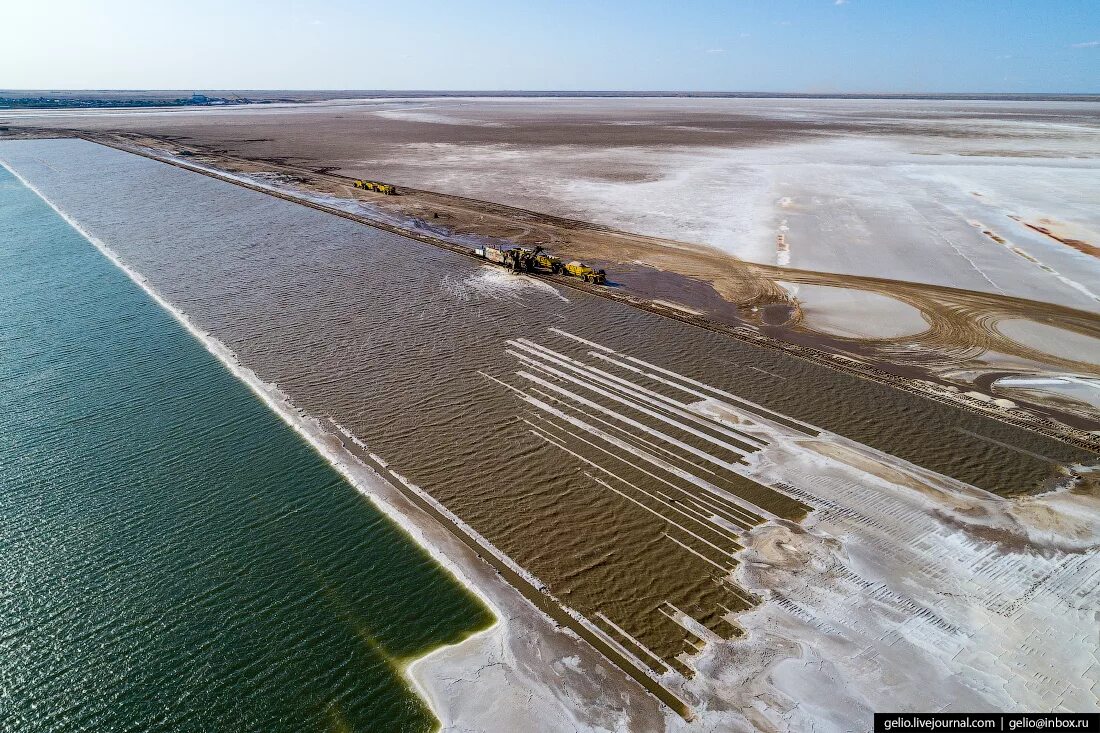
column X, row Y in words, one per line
column 962, row 323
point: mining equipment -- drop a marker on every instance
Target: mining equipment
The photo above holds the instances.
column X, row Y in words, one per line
column 577, row 268
column 386, row 188
column 548, row 262
column 522, row 259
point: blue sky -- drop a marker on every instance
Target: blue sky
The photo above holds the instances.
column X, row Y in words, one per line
column 738, row 45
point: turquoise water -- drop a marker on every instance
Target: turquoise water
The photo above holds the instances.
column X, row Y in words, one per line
column 172, row 555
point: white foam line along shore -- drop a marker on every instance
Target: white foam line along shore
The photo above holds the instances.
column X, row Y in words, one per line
column 308, row 429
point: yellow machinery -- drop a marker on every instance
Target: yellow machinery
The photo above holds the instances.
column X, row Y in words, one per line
column 385, row 188
column 522, row 259
column 548, row 262
column 577, row 268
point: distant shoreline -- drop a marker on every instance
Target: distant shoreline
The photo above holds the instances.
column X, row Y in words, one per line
column 14, row 99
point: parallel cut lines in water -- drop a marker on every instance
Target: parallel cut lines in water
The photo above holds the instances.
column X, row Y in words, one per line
column 683, row 380
column 546, row 431
column 638, row 393
column 633, row 423
column 725, row 513
column 679, row 465
column 682, row 437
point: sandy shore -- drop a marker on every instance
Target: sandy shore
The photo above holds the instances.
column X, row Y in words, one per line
column 522, row 673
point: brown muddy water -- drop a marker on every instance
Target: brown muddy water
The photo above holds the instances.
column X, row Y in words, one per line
column 556, row 424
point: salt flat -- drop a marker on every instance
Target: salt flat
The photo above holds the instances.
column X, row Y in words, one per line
column 940, row 192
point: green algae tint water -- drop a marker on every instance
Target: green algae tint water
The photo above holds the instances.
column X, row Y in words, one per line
column 172, row 555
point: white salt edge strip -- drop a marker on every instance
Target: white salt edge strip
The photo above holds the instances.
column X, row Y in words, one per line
column 278, row 403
